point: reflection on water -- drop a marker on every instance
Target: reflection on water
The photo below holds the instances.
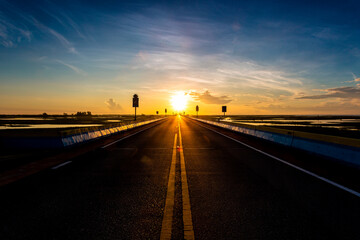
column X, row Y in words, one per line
column 39, row 126
column 30, row 119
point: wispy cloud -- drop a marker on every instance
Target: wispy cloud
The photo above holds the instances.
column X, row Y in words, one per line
column 220, row 69
column 165, row 31
column 208, row 98
column 14, row 25
column 254, row 75
column 66, row 43
column 186, row 49
column 355, row 78
column 199, row 80
column 327, row 34
column 65, row 21
column 163, row 60
column 10, row 34
column 340, row 92
column 343, row 106
column 72, row 67
column 112, row 105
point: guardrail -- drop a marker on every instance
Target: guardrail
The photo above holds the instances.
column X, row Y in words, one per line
column 86, row 136
column 339, row 148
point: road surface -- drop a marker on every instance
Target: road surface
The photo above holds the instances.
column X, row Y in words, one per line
column 176, row 180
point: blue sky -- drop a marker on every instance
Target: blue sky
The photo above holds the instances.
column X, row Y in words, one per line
column 258, row 57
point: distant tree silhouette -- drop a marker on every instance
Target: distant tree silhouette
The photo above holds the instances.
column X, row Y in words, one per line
column 45, row 115
column 83, row 114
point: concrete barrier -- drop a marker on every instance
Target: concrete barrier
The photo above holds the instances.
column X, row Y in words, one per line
column 343, row 149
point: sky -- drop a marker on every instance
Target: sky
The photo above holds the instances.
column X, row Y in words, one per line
column 255, row 57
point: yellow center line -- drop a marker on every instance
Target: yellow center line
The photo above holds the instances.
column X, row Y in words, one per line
column 187, row 219
column 170, row 199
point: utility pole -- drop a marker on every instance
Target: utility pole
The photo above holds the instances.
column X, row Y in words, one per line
column 135, row 103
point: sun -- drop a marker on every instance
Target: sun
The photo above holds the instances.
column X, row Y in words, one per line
column 179, row 101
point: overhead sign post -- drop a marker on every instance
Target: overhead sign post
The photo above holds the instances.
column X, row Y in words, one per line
column 197, row 111
column 135, row 103
column 224, row 110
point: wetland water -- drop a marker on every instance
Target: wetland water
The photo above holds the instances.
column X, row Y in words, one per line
column 23, row 122
column 44, row 126
column 348, row 124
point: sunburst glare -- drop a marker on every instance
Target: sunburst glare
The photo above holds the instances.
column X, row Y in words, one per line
column 179, row 101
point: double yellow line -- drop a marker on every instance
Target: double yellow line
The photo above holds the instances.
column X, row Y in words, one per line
column 166, row 228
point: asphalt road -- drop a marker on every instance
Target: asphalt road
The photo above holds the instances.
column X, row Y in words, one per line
column 121, row 191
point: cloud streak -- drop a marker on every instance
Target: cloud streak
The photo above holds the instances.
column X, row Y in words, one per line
column 200, row 70
column 72, row 67
column 65, row 21
column 340, row 92
column 208, row 98
column 250, row 74
column 11, row 34
column 13, row 30
column 66, row 43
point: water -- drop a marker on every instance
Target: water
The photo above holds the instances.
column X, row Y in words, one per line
column 115, row 121
column 30, row 119
column 42, row 126
column 330, row 123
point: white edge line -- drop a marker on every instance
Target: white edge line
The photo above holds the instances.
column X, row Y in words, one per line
column 291, row 165
column 107, row 145
column 61, row 165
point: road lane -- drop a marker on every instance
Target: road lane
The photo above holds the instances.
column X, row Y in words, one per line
column 335, row 184
column 38, row 161
column 238, row 193
column 187, row 218
column 226, row 191
column 113, row 193
column 166, row 227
